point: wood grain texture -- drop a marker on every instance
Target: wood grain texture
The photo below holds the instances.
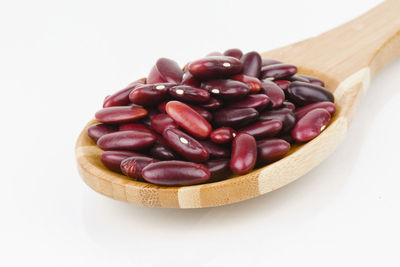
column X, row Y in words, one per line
column 347, row 58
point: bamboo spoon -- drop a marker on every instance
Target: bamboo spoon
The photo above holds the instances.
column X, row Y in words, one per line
column 347, row 58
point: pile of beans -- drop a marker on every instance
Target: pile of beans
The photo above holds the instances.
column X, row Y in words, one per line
column 219, row 116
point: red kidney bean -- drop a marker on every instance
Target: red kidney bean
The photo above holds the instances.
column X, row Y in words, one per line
column 165, row 70
column 126, row 140
column 161, row 107
column 160, row 122
column 185, row 145
column 271, row 150
column 133, row 166
column 283, row 84
column 223, row 135
column 203, row 112
column 329, row 106
column 214, row 54
column 274, row 92
column 150, row 94
column 311, row 125
column 219, row 169
column 137, row 127
column 312, row 79
column 188, row 93
column 175, row 173
column 215, row 67
column 121, row 98
column 258, row 101
column 151, row 113
column 277, row 71
column 188, row 119
column 234, row 52
column 112, row 159
column 215, row 150
column 298, row 78
column 251, row 64
column 235, row 117
column 161, row 150
column 252, row 82
column 288, row 138
column 269, row 61
column 263, row 129
column 244, row 154
column 289, row 105
column 98, row 130
column 284, row 115
column 226, row 89
column 212, row 104
column 189, row 79
column 123, row 114
column 305, row 93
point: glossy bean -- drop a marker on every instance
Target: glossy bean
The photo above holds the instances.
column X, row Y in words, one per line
column 263, row 129
column 251, row 64
column 189, row 94
column 258, row 101
column 162, row 151
column 175, row 173
column 284, row 115
column 188, row 119
column 301, row 93
column 234, row 52
column 161, row 107
column 219, row 169
column 277, row 71
column 112, row 159
column 203, row 112
column 312, row 80
column 311, row 125
column 213, row 104
column 283, row 84
column 165, row 71
column 271, row 150
column 216, row 151
column 223, row 135
column 98, row 130
column 235, row 117
column 185, row 145
column 121, row 98
column 274, row 92
column 289, row 105
column 269, row 61
column 244, row 154
column 226, row 89
column 151, row 113
column 329, row 106
column 252, row 82
column 160, row 122
column 133, row 166
column 215, row 67
column 150, row 94
column 113, row 115
column 126, row 140
column 189, row 79
column 137, row 127
column 298, row 78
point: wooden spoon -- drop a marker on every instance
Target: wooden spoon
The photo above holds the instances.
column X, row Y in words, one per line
column 346, row 58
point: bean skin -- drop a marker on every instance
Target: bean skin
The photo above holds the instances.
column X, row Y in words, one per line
column 302, row 94
column 215, row 67
column 274, row 92
column 235, row 117
column 216, row 151
column 137, row 127
column 271, row 150
column 189, row 79
column 269, row 61
column 162, row 151
column 185, row 145
column 175, row 173
column 263, row 129
column 311, row 125
column 234, row 52
column 257, row 101
column 298, row 78
column 150, row 94
column 252, row 82
column 277, row 71
column 151, row 113
column 212, row 104
column 126, row 140
column 188, row 119
column 165, row 71
column 115, row 115
column 112, row 159
column 98, row 130
column 161, row 107
column 121, row 98
column 203, row 112
column 329, row 106
column 160, row 122
column 244, row 154
column 226, row 89
column 284, row 115
column 283, row 84
column 189, row 94
column 219, row 169
column 133, row 166
column 251, row 64
column 223, row 135
column 312, row 80
column 289, row 105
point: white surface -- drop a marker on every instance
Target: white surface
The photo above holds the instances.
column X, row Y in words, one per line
column 59, row 59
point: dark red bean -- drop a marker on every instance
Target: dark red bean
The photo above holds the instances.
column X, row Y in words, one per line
column 252, row 82
column 203, row 112
column 313, row 80
column 258, row 101
column 263, row 129
column 329, row 106
column 216, row 151
column 274, row 92
column 223, row 135
column 121, row 98
column 160, row 122
column 98, row 130
column 175, row 173
column 284, row 115
column 214, row 54
column 251, row 64
column 269, row 61
column 235, row 117
column 226, row 89
column 185, row 145
column 126, row 140
column 215, row 67
column 189, row 79
column 113, row 159
column 123, row 114
column 234, row 52
column 311, row 125
column 151, row 113
column 283, row 84
column 288, row 138
column 298, row 78
column 133, row 166
column 165, row 71
column 244, row 154
column 271, row 150
column 188, row 93
column 219, row 169
column 289, row 105
column 212, row 104
column 161, row 107
column 162, row 151
column 305, row 93
column 137, row 127
column 188, row 119
column 277, row 71
column 150, row 94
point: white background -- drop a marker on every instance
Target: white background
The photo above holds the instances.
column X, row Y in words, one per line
column 59, row 59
